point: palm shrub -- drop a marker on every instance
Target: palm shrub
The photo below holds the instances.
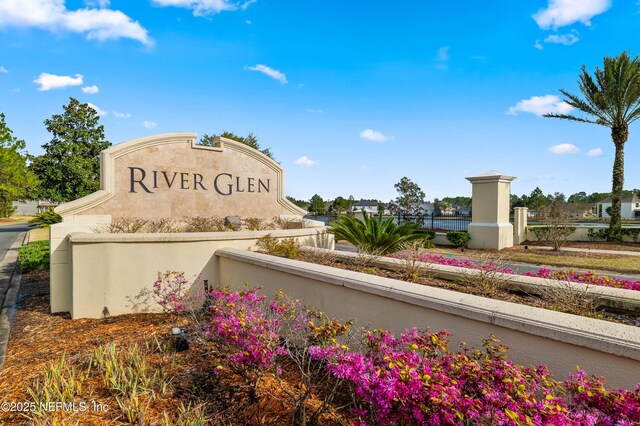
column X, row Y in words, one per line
column 46, row 218
column 378, row 235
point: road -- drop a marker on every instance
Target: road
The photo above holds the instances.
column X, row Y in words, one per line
column 8, row 234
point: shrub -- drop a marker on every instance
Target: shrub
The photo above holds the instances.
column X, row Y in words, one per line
column 555, row 229
column 410, row 379
column 597, row 234
column 124, row 225
column 287, row 223
column 163, row 225
column 170, row 291
column 458, row 238
column 204, row 224
column 34, row 256
column 379, row 236
column 287, row 247
column 254, row 223
column 46, row 218
column 633, row 233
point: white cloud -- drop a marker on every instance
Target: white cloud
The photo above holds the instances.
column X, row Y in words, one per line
column 560, row 13
column 248, row 22
column 305, row 161
column 205, row 7
column 315, row 111
column 566, row 39
column 149, row 124
column 442, row 57
column 540, row 105
column 372, row 135
column 97, row 3
column 275, row 74
column 51, row 81
column 52, row 15
column 564, row 148
column 90, row 90
column 117, row 114
column 538, row 45
column 97, row 109
column 3, row 70
column 596, row 152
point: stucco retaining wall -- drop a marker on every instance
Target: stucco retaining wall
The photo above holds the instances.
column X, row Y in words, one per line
column 536, row 336
column 94, row 275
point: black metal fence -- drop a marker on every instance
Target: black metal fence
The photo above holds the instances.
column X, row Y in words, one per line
column 442, row 222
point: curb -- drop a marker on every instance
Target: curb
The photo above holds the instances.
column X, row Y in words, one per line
column 9, row 306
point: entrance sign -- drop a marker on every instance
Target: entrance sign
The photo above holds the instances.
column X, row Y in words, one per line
column 170, row 176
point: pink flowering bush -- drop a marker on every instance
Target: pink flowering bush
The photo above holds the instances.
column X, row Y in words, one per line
column 586, row 277
column 245, row 332
column 171, row 291
column 412, row 379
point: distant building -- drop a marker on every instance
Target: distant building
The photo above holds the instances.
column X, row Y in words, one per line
column 630, row 208
column 371, row 207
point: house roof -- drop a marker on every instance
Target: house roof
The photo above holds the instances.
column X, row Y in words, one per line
column 631, row 198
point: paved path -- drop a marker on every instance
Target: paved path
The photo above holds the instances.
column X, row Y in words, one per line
column 8, row 234
column 11, row 237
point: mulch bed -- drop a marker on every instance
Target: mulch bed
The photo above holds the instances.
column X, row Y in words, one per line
column 39, row 338
column 459, row 286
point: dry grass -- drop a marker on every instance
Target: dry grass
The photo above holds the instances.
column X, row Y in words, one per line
column 13, row 220
column 589, row 261
column 39, row 234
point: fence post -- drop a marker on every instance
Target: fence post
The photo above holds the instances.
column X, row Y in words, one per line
column 490, row 227
column 520, row 224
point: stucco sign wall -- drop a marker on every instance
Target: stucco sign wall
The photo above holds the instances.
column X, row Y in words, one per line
column 170, row 176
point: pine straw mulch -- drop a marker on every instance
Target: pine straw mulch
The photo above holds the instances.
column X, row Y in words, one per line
column 39, row 338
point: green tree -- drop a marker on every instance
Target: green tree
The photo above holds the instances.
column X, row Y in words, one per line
column 316, row 204
column 612, row 100
column 70, row 167
column 410, row 197
column 16, row 181
column 300, row 203
column 249, row 140
column 537, row 199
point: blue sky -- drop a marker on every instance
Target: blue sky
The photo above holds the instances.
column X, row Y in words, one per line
column 350, row 95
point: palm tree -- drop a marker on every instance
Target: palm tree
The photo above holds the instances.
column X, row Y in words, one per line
column 377, row 236
column 611, row 100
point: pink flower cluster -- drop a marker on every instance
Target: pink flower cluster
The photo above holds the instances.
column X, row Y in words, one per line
column 242, row 324
column 586, row 277
column 413, row 379
column 170, row 291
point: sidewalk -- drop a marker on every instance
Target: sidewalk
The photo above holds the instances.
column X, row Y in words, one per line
column 9, row 284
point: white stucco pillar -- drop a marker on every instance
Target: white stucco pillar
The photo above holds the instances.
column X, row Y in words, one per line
column 520, row 215
column 490, row 227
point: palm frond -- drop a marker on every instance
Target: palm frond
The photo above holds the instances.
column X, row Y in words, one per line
column 570, row 117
